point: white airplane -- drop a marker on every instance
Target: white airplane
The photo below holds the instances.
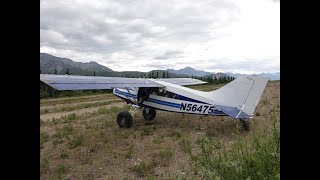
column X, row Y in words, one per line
column 237, row 99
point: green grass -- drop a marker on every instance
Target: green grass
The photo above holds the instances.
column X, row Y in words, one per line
column 75, row 141
column 62, row 169
column 65, row 131
column 146, row 132
column 112, row 110
column 257, row 157
column 157, row 140
column 185, row 146
column 44, row 165
column 176, row 134
column 71, row 117
column 43, row 138
column 166, row 155
column 63, row 156
column 143, row 169
column 129, row 153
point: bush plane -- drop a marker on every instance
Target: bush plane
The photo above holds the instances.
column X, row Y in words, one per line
column 237, row 99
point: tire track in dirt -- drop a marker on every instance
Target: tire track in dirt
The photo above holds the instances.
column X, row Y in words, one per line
column 46, row 117
column 50, row 107
column 68, row 100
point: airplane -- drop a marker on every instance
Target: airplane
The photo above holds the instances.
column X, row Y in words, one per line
column 237, row 99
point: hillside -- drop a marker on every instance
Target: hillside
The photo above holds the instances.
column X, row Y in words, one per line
column 49, row 64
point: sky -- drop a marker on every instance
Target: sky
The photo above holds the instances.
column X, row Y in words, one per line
column 237, row 36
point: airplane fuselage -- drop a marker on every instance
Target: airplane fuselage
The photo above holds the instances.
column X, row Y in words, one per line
column 168, row 101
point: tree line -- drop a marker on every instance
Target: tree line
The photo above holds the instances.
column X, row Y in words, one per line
column 165, row 74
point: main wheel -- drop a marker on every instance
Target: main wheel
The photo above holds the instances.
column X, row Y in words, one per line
column 149, row 114
column 124, row 119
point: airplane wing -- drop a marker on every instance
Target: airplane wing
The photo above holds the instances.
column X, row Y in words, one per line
column 72, row 82
column 183, row 81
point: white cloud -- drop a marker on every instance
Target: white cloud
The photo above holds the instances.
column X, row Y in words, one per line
column 211, row 35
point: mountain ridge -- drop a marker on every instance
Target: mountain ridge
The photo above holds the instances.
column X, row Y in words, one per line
column 50, row 64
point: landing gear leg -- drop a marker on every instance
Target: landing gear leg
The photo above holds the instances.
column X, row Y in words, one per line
column 245, row 124
column 134, row 109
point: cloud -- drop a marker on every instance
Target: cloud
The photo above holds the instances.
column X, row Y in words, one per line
column 169, row 55
column 137, row 35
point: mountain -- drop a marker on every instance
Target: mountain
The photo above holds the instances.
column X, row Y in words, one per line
column 189, row 71
column 272, row 76
column 219, row 75
column 50, row 63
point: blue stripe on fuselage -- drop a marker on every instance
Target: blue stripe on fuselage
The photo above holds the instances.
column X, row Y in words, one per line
column 126, row 94
column 183, row 98
column 175, row 105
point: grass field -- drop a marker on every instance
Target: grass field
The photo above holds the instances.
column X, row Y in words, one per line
column 80, row 139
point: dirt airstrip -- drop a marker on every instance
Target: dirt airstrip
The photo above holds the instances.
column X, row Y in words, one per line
column 80, row 138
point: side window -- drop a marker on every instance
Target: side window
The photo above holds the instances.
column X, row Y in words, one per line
column 164, row 93
column 170, row 94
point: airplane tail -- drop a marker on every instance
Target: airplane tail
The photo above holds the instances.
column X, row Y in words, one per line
column 240, row 97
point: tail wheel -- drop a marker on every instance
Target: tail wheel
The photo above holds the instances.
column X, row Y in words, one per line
column 149, row 114
column 124, row 119
column 245, row 124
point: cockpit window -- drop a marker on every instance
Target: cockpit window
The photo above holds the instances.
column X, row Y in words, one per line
column 165, row 93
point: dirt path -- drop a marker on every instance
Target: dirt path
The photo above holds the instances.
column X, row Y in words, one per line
column 52, row 106
column 46, row 117
column 74, row 99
